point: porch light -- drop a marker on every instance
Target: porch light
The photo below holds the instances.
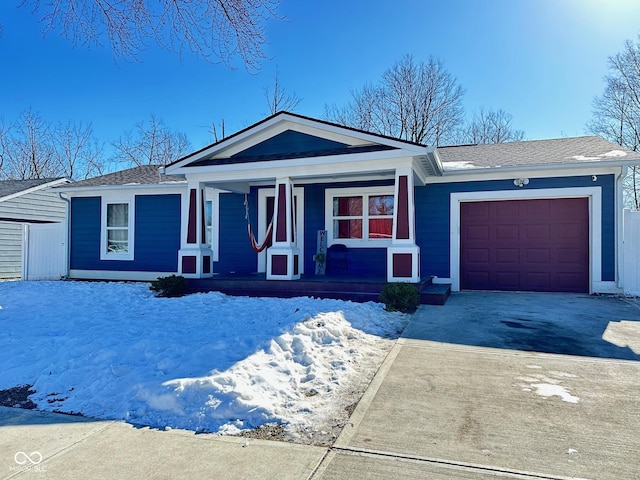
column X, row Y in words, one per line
column 521, row 182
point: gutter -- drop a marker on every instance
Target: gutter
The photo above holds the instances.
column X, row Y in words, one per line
column 620, row 226
column 68, row 239
column 540, row 166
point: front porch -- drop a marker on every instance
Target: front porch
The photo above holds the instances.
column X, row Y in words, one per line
column 356, row 289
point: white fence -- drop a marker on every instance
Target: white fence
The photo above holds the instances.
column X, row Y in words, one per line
column 44, row 251
column 631, row 252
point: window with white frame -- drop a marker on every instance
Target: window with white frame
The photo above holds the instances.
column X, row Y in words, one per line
column 360, row 216
column 116, row 239
column 212, row 221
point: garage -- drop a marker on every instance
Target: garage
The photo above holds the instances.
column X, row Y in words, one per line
column 539, row 245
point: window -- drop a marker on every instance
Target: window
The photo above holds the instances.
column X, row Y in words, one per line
column 208, row 217
column 360, row 216
column 116, row 242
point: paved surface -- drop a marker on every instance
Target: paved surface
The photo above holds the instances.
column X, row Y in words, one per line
column 456, row 410
column 458, row 397
column 74, row 448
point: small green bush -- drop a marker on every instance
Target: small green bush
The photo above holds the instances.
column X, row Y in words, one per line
column 171, row 286
column 400, row 297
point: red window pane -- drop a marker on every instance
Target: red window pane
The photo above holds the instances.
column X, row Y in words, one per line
column 380, row 228
column 347, row 206
column 347, row 228
column 381, row 205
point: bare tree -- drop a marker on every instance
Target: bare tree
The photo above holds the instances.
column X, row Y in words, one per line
column 31, row 148
column 616, row 113
column 278, row 99
column 78, row 153
column 27, row 148
column 214, row 131
column 419, row 102
column 150, row 144
column 216, row 30
column 491, row 126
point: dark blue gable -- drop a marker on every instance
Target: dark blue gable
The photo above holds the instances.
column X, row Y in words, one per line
column 287, row 142
column 156, row 230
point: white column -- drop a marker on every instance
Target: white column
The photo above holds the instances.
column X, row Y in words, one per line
column 283, row 257
column 195, row 256
column 403, row 255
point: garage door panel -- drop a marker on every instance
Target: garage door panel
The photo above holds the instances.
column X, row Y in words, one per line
column 507, row 280
column 530, row 245
column 539, row 255
column 538, row 232
column 478, row 255
column 507, row 232
column 507, row 255
column 475, row 232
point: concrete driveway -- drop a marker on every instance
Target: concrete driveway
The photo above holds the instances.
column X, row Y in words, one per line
column 503, row 385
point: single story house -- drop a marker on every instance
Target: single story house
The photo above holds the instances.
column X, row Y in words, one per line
column 543, row 215
column 25, row 202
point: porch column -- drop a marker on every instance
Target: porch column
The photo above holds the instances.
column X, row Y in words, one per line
column 283, row 257
column 194, row 256
column 403, row 255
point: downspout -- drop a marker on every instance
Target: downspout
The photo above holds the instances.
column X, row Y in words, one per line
column 68, row 239
column 619, row 227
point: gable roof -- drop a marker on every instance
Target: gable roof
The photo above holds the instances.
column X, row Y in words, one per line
column 14, row 188
column 586, row 149
column 292, row 117
column 142, row 175
column 286, row 141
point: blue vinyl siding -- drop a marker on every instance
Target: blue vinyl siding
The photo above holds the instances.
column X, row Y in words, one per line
column 157, row 235
column 236, row 254
column 433, row 220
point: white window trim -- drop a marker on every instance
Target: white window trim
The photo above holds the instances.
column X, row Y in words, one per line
column 104, row 254
column 365, row 242
column 213, row 195
column 594, row 194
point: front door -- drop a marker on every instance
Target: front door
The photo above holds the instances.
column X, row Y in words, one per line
column 266, row 202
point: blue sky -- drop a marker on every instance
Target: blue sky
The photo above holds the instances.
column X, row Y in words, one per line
column 540, row 60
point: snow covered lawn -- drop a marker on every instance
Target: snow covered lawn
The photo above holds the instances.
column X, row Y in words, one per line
column 204, row 362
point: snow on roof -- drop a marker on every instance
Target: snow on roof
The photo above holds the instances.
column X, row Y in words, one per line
column 533, row 152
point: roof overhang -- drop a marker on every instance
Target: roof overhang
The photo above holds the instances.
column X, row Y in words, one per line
column 53, row 183
column 393, row 154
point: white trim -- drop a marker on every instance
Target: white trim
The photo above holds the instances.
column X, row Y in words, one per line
column 213, row 195
column 595, row 223
column 364, row 242
column 35, row 189
column 151, row 189
column 528, row 171
column 263, row 193
column 117, row 275
column 106, row 200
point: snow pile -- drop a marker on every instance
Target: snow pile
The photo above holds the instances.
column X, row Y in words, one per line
column 205, row 362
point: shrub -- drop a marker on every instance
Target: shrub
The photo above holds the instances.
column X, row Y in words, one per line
column 171, row 286
column 400, row 297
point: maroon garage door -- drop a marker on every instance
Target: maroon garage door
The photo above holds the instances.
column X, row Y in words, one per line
column 528, row 245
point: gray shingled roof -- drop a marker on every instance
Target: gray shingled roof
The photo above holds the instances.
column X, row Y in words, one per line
column 533, row 152
column 143, row 175
column 9, row 187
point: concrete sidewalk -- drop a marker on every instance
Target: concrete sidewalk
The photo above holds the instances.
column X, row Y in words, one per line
column 52, row 446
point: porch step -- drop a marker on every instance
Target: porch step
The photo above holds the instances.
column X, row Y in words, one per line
column 340, row 288
column 434, row 294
